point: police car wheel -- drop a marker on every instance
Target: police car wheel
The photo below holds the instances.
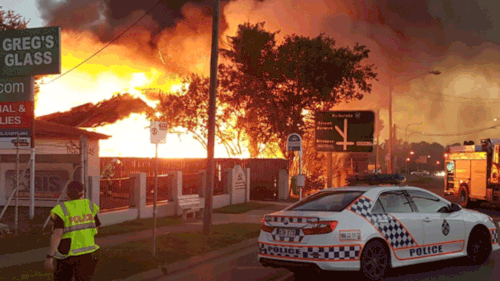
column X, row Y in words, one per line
column 375, row 260
column 479, row 247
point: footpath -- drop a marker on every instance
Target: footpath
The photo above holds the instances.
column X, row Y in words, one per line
column 187, row 226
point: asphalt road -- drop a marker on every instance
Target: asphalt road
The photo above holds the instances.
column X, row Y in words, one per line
column 244, row 265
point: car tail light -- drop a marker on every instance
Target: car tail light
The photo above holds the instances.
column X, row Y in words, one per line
column 265, row 227
column 320, row 228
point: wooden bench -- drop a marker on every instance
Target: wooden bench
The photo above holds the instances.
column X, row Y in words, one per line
column 190, row 204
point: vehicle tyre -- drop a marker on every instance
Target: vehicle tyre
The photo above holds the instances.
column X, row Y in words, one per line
column 463, row 197
column 375, row 260
column 479, row 246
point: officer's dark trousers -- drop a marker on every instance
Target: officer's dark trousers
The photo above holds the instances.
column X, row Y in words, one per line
column 79, row 267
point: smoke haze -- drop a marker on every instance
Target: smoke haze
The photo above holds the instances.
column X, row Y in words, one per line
column 406, row 38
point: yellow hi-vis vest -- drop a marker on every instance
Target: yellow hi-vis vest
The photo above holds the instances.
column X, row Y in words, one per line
column 79, row 226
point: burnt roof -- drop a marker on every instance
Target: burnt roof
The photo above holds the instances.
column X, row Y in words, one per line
column 44, row 129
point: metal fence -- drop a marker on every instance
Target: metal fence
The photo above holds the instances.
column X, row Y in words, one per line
column 115, row 193
column 191, row 183
column 164, row 189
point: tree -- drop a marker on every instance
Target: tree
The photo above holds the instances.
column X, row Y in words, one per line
column 278, row 86
column 187, row 112
column 11, row 21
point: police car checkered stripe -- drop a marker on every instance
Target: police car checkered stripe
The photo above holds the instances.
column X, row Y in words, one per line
column 393, row 230
column 327, row 253
column 494, row 235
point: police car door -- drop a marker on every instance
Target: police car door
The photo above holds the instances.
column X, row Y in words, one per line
column 444, row 233
column 398, row 222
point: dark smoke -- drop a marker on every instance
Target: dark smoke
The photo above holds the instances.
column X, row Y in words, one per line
column 108, row 18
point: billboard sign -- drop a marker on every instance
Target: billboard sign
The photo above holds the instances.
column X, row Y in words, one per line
column 17, row 89
column 345, row 131
column 16, row 115
column 31, row 51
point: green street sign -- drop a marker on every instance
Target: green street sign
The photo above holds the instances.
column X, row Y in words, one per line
column 345, row 131
column 32, row 51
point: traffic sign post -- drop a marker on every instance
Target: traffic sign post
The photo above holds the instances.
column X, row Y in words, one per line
column 344, row 131
column 158, row 134
column 294, row 143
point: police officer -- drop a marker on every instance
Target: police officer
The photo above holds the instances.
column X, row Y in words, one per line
column 72, row 244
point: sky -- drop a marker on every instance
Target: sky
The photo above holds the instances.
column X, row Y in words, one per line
column 407, row 39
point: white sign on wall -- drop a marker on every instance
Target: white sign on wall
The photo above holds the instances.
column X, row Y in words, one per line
column 158, row 132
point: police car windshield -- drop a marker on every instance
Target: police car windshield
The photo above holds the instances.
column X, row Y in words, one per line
column 327, row 201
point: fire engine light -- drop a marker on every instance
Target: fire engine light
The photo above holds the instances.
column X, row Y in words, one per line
column 408, row 159
column 412, row 152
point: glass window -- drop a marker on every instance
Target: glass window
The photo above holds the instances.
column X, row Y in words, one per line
column 426, row 202
column 334, row 201
column 377, row 208
column 395, row 202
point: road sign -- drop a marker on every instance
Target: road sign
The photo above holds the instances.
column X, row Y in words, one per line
column 158, row 132
column 30, row 51
column 345, row 131
column 294, row 142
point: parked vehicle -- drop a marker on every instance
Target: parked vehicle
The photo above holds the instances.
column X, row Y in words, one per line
column 472, row 173
column 373, row 229
column 421, row 173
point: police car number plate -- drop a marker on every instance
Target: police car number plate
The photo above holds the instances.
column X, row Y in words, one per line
column 288, row 232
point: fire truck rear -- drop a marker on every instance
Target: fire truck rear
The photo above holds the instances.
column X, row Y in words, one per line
column 472, row 172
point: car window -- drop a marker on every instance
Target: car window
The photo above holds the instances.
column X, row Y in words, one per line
column 395, row 202
column 377, row 208
column 335, row 201
column 426, row 202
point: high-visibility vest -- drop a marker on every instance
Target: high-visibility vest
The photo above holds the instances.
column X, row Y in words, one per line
column 79, row 226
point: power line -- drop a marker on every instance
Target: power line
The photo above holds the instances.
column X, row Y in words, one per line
column 105, row 46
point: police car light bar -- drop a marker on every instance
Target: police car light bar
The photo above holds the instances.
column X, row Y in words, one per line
column 376, row 179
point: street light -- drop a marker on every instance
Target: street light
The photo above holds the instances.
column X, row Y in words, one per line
column 389, row 164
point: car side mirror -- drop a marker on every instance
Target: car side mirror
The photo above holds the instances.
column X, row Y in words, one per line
column 455, row 207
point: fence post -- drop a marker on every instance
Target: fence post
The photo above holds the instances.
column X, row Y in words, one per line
column 138, row 192
column 229, row 188
column 176, row 188
column 283, row 185
column 247, row 188
column 94, row 189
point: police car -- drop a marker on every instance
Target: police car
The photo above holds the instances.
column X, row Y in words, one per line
column 373, row 229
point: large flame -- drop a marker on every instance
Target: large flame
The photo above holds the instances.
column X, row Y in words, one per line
column 118, row 69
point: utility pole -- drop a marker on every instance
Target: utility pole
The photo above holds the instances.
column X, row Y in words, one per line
column 389, row 162
column 207, row 218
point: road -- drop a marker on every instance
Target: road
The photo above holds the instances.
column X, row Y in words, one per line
column 244, row 265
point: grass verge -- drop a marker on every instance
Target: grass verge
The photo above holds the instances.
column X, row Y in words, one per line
column 125, row 260
column 242, row 208
column 29, row 241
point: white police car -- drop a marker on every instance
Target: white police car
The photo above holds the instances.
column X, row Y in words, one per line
column 373, row 228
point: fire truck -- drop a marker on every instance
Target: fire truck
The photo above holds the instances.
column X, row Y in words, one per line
column 472, row 172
